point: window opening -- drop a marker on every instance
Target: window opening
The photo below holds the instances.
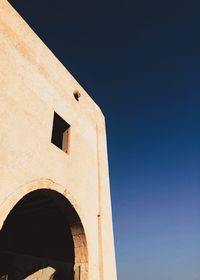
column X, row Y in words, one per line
column 60, row 133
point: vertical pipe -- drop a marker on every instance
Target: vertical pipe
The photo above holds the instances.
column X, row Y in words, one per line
column 99, row 217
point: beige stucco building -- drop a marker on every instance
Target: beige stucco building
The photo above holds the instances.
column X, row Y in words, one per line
column 55, row 211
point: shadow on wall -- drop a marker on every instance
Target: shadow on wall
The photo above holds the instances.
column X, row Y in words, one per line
column 18, row 267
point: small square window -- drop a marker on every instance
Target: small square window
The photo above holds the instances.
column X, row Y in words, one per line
column 60, row 133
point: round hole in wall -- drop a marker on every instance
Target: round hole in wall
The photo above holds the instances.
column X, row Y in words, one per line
column 77, row 95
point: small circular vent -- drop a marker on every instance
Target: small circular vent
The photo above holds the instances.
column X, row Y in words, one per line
column 77, row 95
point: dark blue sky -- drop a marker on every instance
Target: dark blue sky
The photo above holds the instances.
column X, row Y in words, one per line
column 140, row 61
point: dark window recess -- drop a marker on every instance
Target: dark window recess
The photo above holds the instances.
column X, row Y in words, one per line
column 60, row 133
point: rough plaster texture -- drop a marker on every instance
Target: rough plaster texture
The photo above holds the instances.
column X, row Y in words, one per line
column 34, row 84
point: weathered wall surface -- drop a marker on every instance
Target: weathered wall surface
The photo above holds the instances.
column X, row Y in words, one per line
column 34, row 84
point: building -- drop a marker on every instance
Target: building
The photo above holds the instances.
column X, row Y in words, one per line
column 55, row 211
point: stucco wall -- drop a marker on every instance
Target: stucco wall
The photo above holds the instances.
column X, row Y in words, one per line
column 34, row 84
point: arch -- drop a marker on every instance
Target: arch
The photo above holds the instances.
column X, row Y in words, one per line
column 49, row 228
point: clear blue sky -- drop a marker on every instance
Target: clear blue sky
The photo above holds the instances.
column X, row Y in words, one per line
column 140, row 61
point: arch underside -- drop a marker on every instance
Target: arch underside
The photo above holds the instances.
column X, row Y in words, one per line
column 43, row 230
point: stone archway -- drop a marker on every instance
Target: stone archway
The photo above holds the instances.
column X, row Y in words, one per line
column 42, row 229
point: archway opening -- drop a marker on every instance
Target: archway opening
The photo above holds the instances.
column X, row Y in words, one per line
column 43, row 230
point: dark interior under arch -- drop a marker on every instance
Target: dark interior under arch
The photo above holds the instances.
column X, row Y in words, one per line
column 37, row 234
